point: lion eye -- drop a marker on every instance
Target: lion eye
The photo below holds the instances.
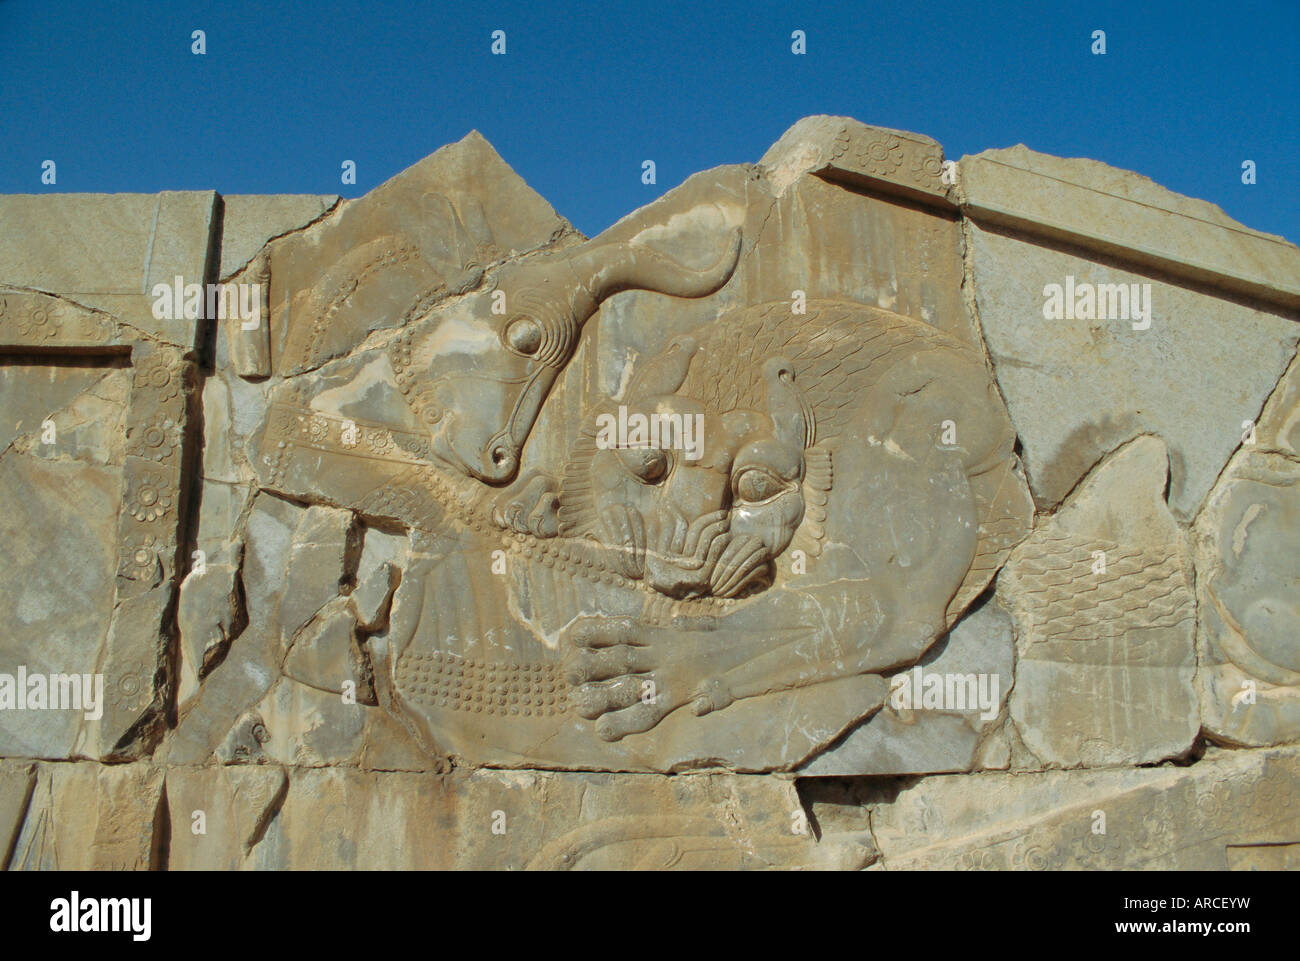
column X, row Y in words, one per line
column 755, row 485
column 649, row 464
column 524, row 335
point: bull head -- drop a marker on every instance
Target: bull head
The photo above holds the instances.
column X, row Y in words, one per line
column 488, row 372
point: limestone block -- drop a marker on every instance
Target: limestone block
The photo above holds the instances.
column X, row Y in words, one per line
column 210, row 615
column 385, row 259
column 56, row 589
column 107, row 251
column 914, row 739
column 1248, row 582
column 299, row 725
column 252, row 664
column 342, row 817
column 155, row 495
column 115, row 450
column 373, row 597
column 92, row 425
column 1106, row 621
column 1102, row 208
column 219, row 814
column 845, row 150
column 250, row 221
column 17, row 779
column 268, row 545
column 1185, row 818
column 322, row 560
column 324, row 653
column 91, row 817
column 42, row 321
column 1077, row 389
column 388, row 746
column 135, row 696
column 248, row 333
column 227, row 484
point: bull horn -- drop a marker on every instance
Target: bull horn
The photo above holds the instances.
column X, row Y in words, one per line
column 605, row 269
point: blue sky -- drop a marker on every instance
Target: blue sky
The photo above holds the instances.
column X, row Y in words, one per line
column 288, row 90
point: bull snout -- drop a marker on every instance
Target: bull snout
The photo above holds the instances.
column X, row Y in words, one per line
column 499, row 460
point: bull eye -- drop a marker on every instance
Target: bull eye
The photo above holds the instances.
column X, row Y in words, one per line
column 524, row 335
column 755, row 485
column 648, row 464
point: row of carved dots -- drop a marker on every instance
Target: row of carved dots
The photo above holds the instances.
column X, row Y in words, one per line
column 497, row 687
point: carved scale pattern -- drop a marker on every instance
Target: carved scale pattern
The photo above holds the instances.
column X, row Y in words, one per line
column 1066, row 601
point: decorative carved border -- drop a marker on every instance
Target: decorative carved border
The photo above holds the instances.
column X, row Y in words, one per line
column 150, row 520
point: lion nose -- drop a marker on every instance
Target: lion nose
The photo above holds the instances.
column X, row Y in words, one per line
column 668, row 578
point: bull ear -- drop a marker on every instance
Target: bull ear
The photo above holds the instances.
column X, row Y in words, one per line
column 605, row 268
column 793, row 421
column 664, row 373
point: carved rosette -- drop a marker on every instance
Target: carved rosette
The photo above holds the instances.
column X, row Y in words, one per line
column 149, row 522
column 158, row 440
column 151, row 509
column 29, row 318
column 884, row 155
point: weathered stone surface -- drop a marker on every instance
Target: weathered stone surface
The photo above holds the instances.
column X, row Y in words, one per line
column 1248, row 582
column 373, row 598
column 134, row 649
column 75, row 413
column 252, row 664
column 846, row 151
column 402, row 574
column 1103, row 208
column 56, row 591
column 382, row 261
column 1190, row 818
column 219, row 814
column 89, row 817
column 115, row 458
column 43, row 322
column 1077, row 389
column 300, row 725
column 322, row 651
column 227, row 489
column 1106, row 621
column 250, row 221
column 322, row 561
column 107, row 251
column 1279, row 423
column 539, row 820
column 211, row 615
column 906, row 737
column 17, row 779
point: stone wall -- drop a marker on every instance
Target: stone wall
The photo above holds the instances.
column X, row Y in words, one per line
column 987, row 558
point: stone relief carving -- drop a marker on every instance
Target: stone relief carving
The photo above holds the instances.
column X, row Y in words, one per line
column 472, row 378
column 481, row 494
column 649, row 584
column 1249, row 579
